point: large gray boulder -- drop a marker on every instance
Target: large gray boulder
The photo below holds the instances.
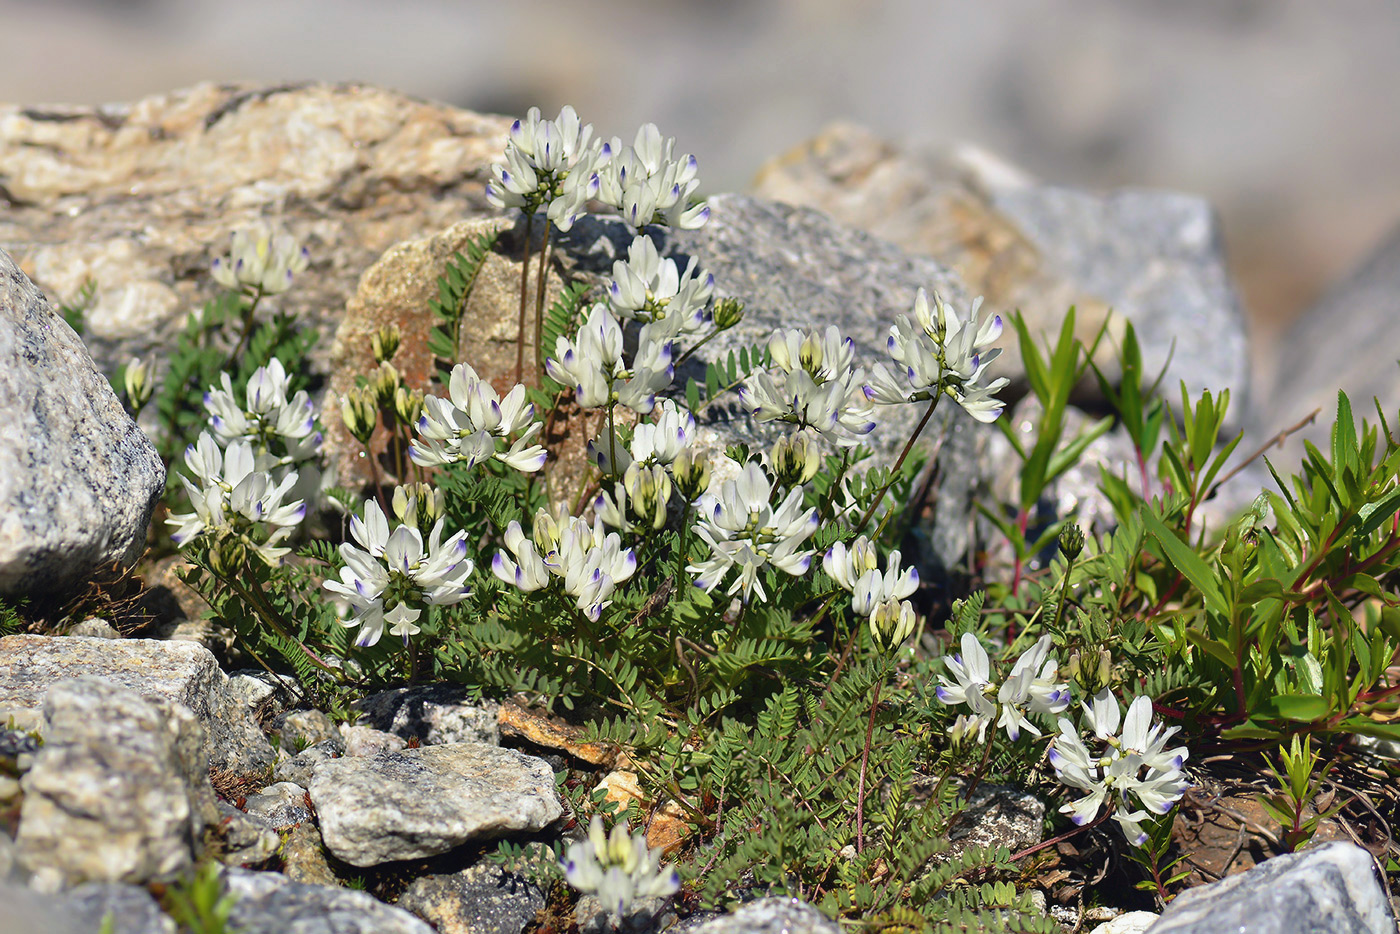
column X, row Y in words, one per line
column 270, row 903
column 182, row 672
column 78, row 479
column 1350, row 341
column 119, row 792
column 1328, row 889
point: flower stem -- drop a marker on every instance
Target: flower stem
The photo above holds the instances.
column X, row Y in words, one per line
column 894, row 473
column 864, row 760
column 524, row 284
column 539, row 306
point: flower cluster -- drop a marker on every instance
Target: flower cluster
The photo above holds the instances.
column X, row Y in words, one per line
column 648, row 185
column 260, row 261
column 548, row 164
column 656, row 291
column 940, row 353
column 588, row 563
column 618, row 868
column 745, row 531
column 878, row 596
column 814, row 383
column 1031, row 687
column 474, row 424
column 592, row 365
column 230, row 495
column 390, row 576
column 642, row 468
column 1135, row 770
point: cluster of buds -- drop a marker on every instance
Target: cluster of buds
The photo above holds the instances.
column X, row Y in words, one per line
column 587, row 563
column 260, row 262
column 813, row 382
column 880, row 596
column 618, row 868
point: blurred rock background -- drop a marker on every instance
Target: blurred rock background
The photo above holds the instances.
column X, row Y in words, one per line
column 1282, row 112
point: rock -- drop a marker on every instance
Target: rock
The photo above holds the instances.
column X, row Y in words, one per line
column 300, row 767
column 270, row 903
column 282, row 805
column 304, row 857
column 301, row 729
column 666, row 826
column 261, row 694
column 1154, row 257
column 1330, row 888
column 182, row 672
column 997, row 815
column 367, row 741
column 118, row 793
column 78, row 479
column 1345, row 342
column 644, row 916
column 422, row 802
column 247, row 839
column 773, row 915
column 10, row 869
column 1132, row 922
column 519, row 722
column 129, row 909
column 349, row 170
column 484, row 899
column 432, row 714
column 94, row 628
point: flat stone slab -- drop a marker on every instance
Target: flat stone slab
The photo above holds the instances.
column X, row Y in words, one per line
column 270, row 903
column 1328, row 889
column 768, row 916
column 422, row 802
column 183, row 672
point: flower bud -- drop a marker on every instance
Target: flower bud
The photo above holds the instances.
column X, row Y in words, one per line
column 408, row 405
column 795, row 460
column 648, row 492
column 891, row 623
column 385, row 384
column 728, row 312
column 418, row 505
column 962, row 733
column 385, row 342
column 1071, row 541
column 1091, row 671
column 138, row 384
column 360, row 413
column 692, row 473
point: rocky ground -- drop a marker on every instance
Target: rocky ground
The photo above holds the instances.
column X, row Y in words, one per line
column 153, row 755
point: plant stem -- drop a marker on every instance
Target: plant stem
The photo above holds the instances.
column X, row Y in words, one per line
column 1061, row 837
column 908, row 445
column 254, row 598
column 524, row 284
column 539, row 306
column 864, row 759
column 981, row 768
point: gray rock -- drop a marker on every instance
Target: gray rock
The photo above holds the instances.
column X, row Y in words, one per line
column 1328, row 889
column 998, row 815
column 78, row 479
column 82, row 910
column 363, row 741
column 1157, row 258
column 432, row 714
column 422, row 802
column 1132, row 922
column 484, row 899
column 10, row 869
column 270, row 903
column 302, row 766
column 261, row 693
column 768, row 916
column 282, row 805
column 182, row 672
column 247, row 838
column 1348, row 341
column 302, row 729
column 304, row 857
column 93, row 628
column 118, row 793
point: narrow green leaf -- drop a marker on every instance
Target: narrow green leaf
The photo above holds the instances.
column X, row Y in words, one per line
column 1212, row 647
column 1190, row 564
column 1301, row 708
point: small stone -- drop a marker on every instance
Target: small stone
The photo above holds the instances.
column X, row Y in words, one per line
column 247, row 838
column 519, row 722
column 302, row 729
column 131, row 908
column 261, row 693
column 768, row 916
column 1132, row 922
column 422, row 802
column 484, row 899
column 363, row 741
column 1329, row 889
column 118, row 793
column 93, row 628
column 9, row 788
column 300, row 767
column 666, row 826
column 271, row 903
column 282, row 805
column 304, row 856
column 432, row 714
column 997, row 815
column 78, row 479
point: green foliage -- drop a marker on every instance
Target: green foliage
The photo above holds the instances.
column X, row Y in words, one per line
column 199, row 904
column 725, row 375
column 74, row 311
column 454, row 289
column 1300, row 782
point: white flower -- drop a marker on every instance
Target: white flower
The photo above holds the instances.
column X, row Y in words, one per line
column 643, row 492
column 659, row 441
column 475, row 424
column 1134, row 769
column 812, row 383
column 261, row 261
column 855, row 570
column 647, row 185
column 892, row 622
column 281, row 430
column 744, row 531
column 938, row 353
column 549, row 164
column 390, row 576
column 618, row 869
column 647, row 288
column 589, row 563
column 229, row 493
column 1031, row 686
column 592, row 365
